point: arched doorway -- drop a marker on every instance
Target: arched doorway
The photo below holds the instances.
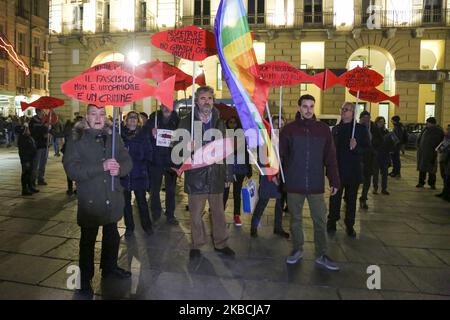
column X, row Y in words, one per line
column 381, row 61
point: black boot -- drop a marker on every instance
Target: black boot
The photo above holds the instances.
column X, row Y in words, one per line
column 253, row 232
column 26, row 192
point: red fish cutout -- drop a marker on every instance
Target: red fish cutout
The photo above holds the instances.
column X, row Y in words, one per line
column 361, row 79
column 117, row 88
column 281, row 73
column 325, row 80
column 190, row 43
column 375, row 95
column 45, row 102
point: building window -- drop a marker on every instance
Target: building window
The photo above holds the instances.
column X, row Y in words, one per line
column 313, row 11
column 255, row 11
column 21, row 79
column 21, row 43
column 77, row 20
column 3, row 77
column 355, row 63
column 45, row 83
column 387, row 77
column 432, row 12
column 37, row 81
column 36, row 7
column 36, row 49
column 202, row 12
column 303, row 86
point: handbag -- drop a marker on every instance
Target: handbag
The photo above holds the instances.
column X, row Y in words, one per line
column 249, row 196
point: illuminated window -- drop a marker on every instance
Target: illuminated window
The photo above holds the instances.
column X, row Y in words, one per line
column 77, row 18
column 303, row 86
column 387, row 77
column 313, row 11
column 255, row 11
column 355, row 63
column 202, row 12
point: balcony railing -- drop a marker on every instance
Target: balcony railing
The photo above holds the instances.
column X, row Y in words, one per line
column 271, row 21
column 145, row 24
column 406, row 18
column 21, row 90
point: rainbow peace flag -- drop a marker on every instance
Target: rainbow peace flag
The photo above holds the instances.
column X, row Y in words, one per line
column 239, row 65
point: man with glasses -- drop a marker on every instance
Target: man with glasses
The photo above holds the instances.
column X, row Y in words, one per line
column 307, row 149
column 349, row 151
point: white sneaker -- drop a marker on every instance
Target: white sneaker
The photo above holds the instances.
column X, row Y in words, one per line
column 295, row 256
column 325, row 262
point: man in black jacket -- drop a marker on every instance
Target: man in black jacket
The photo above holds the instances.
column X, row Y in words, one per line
column 161, row 164
column 349, row 153
column 39, row 132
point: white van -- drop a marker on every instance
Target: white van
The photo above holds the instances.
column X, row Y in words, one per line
column 330, row 119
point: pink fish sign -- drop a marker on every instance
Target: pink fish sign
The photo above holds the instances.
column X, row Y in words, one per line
column 280, row 74
column 361, row 79
column 117, row 88
column 207, row 155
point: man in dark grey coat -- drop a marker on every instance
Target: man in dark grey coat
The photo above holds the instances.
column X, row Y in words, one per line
column 428, row 140
column 87, row 160
column 206, row 183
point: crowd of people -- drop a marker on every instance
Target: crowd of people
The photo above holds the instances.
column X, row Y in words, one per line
column 350, row 155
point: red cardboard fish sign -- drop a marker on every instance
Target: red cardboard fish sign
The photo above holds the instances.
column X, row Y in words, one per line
column 325, row 80
column 45, row 102
column 190, row 43
column 117, row 88
column 361, row 79
column 375, row 95
column 280, row 74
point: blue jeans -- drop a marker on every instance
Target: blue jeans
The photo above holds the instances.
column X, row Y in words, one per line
column 259, row 210
column 39, row 163
column 56, row 145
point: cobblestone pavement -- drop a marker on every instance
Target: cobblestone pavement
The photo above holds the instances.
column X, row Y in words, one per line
column 407, row 234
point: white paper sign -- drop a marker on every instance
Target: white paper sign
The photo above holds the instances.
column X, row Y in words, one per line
column 163, row 137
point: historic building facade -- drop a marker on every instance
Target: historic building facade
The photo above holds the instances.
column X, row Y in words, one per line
column 23, row 32
column 408, row 42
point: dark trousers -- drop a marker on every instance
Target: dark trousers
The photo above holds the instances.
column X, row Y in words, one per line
column 144, row 214
column 350, row 196
column 446, row 190
column 259, row 210
column 170, row 181
column 110, row 249
column 237, row 189
column 366, row 185
column 380, row 168
column 396, row 163
column 283, row 199
column 431, row 178
column 27, row 175
column 69, row 184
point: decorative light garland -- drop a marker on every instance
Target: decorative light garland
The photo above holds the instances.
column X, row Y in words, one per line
column 4, row 44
